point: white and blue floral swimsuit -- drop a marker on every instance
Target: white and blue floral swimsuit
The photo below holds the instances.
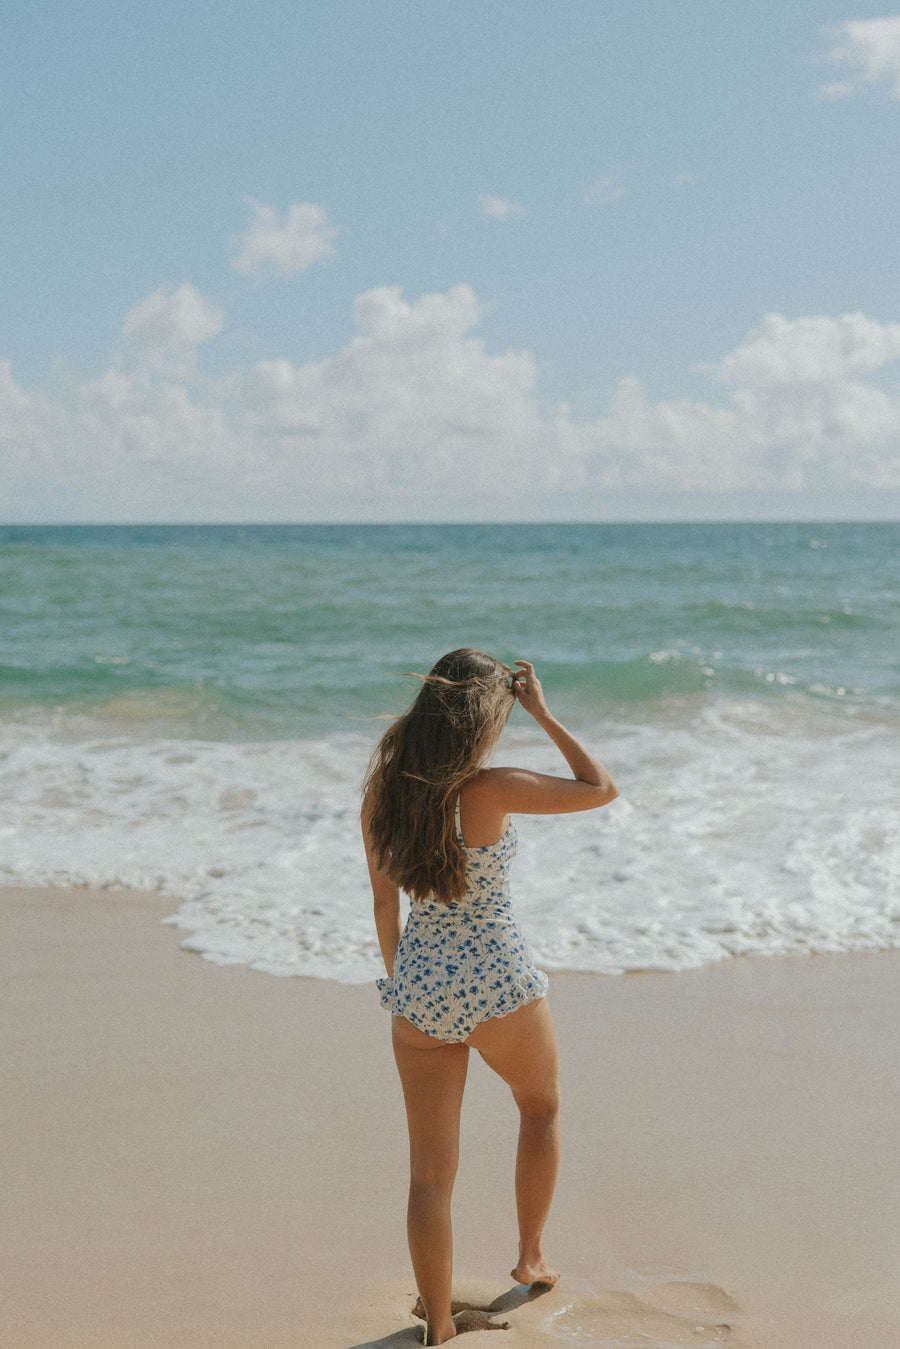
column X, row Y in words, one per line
column 462, row 962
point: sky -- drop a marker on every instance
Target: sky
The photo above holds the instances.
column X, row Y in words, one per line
column 385, row 260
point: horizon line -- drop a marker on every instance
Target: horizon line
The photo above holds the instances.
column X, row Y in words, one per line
column 442, row 524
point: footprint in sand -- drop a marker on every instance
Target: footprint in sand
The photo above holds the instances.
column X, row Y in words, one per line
column 621, row 1320
column 467, row 1316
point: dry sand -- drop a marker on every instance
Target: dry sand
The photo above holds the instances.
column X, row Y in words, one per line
column 196, row 1156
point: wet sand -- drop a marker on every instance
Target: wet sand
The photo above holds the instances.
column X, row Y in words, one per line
column 205, row 1156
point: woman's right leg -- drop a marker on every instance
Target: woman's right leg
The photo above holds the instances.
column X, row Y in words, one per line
column 433, row 1075
column 522, row 1049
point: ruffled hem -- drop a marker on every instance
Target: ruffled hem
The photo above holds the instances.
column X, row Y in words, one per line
column 529, row 987
column 386, row 990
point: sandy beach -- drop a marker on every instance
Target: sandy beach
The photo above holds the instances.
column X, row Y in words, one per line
column 205, row 1156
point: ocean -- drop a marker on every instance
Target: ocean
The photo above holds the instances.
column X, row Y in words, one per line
column 191, row 710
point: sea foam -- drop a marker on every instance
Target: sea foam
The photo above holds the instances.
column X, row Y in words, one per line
column 741, row 828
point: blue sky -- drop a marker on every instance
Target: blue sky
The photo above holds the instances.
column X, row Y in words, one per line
column 496, row 260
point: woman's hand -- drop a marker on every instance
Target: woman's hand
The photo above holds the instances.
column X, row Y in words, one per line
column 527, row 688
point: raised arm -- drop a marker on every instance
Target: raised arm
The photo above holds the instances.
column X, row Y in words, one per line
column 586, row 769
column 497, row 792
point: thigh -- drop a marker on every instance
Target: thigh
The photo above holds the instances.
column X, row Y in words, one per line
column 522, row 1049
column 433, row 1077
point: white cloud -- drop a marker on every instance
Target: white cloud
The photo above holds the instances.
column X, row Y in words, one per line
column 33, row 427
column 804, row 351
column 123, row 446
column 415, row 418
column 870, row 51
column 164, row 331
column 605, row 191
column 272, row 247
column 412, row 406
column 802, row 415
column 499, row 208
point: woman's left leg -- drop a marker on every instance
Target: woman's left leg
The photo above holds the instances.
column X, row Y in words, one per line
column 433, row 1075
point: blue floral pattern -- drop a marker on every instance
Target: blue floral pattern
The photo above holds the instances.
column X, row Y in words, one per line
column 462, row 962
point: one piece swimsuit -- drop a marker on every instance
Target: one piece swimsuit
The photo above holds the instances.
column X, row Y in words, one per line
column 462, row 962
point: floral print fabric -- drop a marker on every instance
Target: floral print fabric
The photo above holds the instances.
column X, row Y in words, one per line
column 460, row 963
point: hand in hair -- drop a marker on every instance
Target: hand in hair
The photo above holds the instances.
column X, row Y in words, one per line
column 528, row 691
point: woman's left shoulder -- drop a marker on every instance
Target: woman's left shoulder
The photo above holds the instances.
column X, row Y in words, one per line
column 487, row 781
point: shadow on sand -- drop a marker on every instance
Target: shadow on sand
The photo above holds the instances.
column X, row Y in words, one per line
column 516, row 1297
column 401, row 1339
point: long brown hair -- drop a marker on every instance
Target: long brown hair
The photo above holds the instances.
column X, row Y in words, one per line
column 419, row 765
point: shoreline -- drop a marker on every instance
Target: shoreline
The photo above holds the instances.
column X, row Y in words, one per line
column 203, row 1154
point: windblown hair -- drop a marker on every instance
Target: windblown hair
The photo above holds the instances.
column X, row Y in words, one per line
column 420, row 764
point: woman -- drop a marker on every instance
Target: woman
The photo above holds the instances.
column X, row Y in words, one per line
column 436, row 825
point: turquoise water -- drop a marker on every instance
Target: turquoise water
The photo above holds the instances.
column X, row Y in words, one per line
column 190, row 710
column 266, row 632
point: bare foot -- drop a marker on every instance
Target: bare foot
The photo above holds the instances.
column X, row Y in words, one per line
column 473, row 1318
column 539, row 1273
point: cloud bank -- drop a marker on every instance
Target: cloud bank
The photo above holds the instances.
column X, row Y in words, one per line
column 413, row 418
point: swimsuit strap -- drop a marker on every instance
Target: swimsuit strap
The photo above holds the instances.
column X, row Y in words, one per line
column 459, row 833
